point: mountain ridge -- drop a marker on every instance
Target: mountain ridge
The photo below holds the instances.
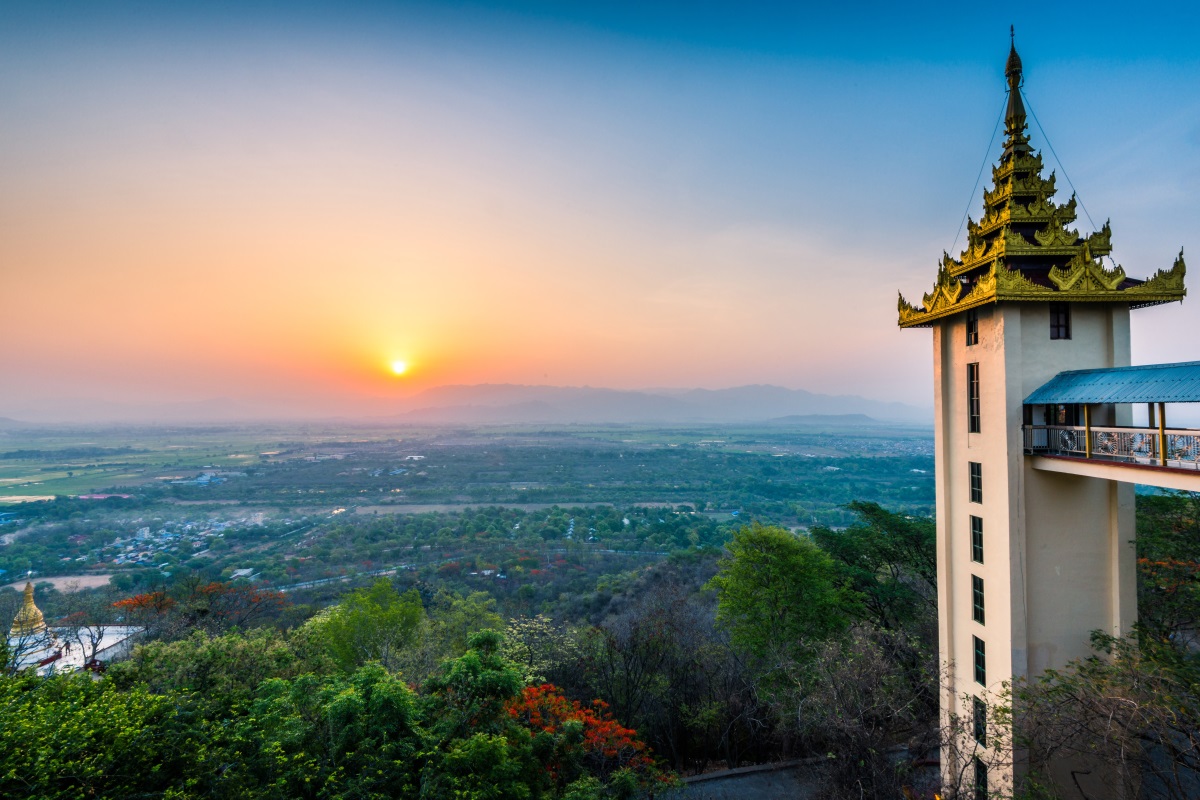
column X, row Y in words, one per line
column 507, row 402
column 498, row 403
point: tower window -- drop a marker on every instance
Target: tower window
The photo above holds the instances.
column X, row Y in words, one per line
column 976, row 481
column 1060, row 321
column 979, row 712
column 973, row 398
column 972, row 327
column 981, row 791
column 977, row 539
column 980, row 662
column 977, row 598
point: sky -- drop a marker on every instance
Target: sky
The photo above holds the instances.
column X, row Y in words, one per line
column 273, row 202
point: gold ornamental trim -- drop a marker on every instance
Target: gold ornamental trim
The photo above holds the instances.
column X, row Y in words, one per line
column 1024, row 250
column 1083, row 281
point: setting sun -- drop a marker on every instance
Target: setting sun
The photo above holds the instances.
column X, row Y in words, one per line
column 399, row 367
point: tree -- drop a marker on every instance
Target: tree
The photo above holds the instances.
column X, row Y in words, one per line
column 89, row 617
column 538, row 646
column 1168, row 549
column 348, row 736
column 221, row 672
column 148, row 610
column 779, row 593
column 588, row 739
column 373, row 624
column 70, row 736
column 220, row 606
column 891, row 561
column 1130, row 715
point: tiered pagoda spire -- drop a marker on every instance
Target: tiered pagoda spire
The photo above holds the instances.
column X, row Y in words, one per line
column 1023, row 249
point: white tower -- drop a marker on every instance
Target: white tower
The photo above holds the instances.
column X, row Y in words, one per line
column 1030, row 561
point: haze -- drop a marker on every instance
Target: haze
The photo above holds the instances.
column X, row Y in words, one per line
column 272, row 203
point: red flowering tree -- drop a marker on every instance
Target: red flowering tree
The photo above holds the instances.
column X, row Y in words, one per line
column 587, row 739
column 147, row 610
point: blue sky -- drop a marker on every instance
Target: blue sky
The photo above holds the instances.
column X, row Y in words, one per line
column 254, row 200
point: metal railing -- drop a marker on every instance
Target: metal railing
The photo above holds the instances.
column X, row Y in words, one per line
column 1127, row 445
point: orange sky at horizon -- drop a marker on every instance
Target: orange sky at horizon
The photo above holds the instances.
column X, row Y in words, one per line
column 274, row 213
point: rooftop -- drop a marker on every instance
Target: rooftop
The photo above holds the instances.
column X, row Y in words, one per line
column 1153, row 383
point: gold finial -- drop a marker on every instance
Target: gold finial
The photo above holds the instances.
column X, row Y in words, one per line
column 29, row 618
column 1014, row 117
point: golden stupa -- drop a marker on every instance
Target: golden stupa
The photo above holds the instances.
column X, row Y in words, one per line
column 29, row 619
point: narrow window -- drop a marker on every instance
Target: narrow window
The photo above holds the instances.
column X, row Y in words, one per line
column 980, row 714
column 977, row 539
column 973, row 398
column 977, row 598
column 976, row 481
column 980, row 662
column 981, row 790
column 1060, row 321
column 972, row 327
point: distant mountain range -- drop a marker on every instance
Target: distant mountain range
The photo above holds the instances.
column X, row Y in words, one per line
column 506, row 403
column 500, row 403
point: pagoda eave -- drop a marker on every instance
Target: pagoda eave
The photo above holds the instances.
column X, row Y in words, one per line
column 913, row 317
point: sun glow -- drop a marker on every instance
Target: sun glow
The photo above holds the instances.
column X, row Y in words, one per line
column 399, row 367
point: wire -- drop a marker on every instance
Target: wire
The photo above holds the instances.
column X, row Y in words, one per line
column 1075, row 191
column 1058, row 160
column 986, row 159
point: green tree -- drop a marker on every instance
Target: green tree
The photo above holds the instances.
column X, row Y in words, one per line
column 446, row 631
column 890, row 560
column 779, row 593
column 1168, row 549
column 223, row 672
column 373, row 624
column 351, row 736
column 74, row 737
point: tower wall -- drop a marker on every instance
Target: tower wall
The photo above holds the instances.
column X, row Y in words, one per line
column 1058, row 558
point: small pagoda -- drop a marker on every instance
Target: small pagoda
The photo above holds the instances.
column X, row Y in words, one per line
column 1024, row 249
column 30, row 641
column 29, row 620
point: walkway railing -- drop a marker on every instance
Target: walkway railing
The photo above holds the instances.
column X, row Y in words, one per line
column 1128, row 445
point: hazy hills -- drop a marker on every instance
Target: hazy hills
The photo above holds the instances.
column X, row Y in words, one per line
column 500, row 404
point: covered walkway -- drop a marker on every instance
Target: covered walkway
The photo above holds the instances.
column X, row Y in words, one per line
column 1078, row 409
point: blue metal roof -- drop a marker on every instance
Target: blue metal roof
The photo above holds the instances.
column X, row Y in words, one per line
column 1154, row 383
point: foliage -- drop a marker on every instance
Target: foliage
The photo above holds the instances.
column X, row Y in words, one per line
column 221, row 672
column 589, row 738
column 373, row 624
column 333, row 737
column 780, row 593
column 891, row 562
column 1134, row 707
column 1168, row 548
column 855, row 701
column 235, row 717
column 72, row 737
column 538, row 646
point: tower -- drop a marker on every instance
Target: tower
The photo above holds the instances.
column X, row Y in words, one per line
column 1030, row 559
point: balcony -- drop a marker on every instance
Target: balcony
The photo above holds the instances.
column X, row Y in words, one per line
column 1177, row 448
column 1168, row 458
column 1155, row 455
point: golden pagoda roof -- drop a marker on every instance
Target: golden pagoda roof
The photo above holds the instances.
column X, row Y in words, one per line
column 29, row 619
column 1023, row 249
